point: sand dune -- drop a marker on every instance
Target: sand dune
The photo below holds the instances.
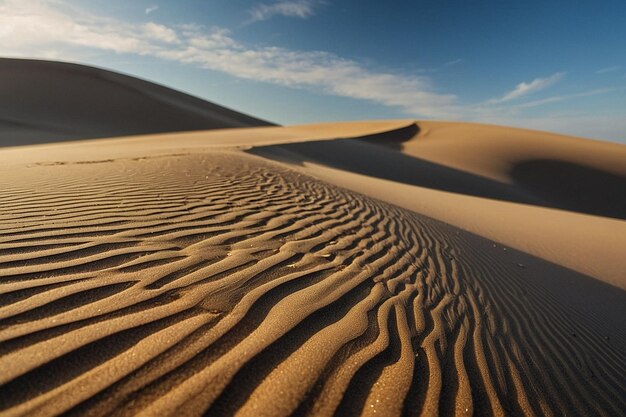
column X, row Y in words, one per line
column 388, row 268
column 488, row 161
column 46, row 101
column 460, row 173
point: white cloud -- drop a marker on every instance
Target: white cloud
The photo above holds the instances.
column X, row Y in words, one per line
column 302, row 9
column 608, row 69
column 28, row 26
column 151, row 9
column 217, row 50
column 161, row 33
column 34, row 25
column 524, row 88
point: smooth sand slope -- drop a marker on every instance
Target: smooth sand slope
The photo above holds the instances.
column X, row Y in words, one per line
column 45, row 101
column 226, row 272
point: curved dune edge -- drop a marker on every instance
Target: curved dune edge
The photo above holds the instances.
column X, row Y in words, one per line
column 241, row 138
column 220, row 282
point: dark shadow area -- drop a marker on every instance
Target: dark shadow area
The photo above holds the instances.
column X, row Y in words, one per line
column 46, row 101
column 379, row 161
column 545, row 183
column 574, row 187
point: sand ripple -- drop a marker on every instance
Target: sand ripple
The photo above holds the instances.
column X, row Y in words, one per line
column 220, row 283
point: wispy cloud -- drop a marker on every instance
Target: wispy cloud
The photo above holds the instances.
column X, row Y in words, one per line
column 608, row 69
column 151, row 9
column 302, row 9
column 217, row 50
column 29, row 26
column 525, row 88
column 556, row 99
column 453, row 63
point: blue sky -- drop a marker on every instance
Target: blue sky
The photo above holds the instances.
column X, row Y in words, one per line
column 553, row 65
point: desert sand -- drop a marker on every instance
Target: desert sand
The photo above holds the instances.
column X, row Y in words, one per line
column 364, row 268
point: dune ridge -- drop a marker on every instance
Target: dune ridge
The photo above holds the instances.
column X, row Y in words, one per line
column 223, row 283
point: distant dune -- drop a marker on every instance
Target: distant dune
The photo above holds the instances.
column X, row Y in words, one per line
column 46, row 101
column 363, row 268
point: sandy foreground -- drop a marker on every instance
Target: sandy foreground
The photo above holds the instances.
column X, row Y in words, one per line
column 365, row 268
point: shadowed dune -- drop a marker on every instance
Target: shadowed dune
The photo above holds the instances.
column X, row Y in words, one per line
column 46, row 101
column 369, row 158
column 574, row 187
column 568, row 173
column 562, row 183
